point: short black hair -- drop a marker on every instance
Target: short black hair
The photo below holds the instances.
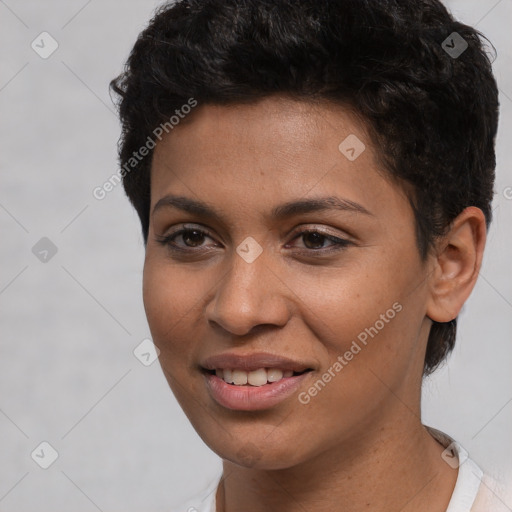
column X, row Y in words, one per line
column 421, row 81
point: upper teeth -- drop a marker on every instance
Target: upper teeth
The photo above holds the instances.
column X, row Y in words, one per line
column 255, row 378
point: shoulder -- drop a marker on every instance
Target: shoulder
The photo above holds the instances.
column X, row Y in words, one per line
column 493, row 495
column 474, row 490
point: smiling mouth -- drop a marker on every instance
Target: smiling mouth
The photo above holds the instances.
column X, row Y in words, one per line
column 259, row 377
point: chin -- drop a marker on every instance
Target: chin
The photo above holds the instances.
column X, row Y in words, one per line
column 256, row 453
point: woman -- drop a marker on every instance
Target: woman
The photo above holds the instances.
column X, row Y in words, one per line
column 314, row 181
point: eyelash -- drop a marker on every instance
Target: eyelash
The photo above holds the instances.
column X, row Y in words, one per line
column 168, row 240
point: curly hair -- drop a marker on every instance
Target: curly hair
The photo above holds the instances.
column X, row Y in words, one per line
column 432, row 114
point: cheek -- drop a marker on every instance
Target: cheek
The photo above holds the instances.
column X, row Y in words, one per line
column 171, row 298
column 369, row 312
column 341, row 303
column 171, row 301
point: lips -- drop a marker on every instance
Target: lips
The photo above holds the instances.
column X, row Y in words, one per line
column 252, row 382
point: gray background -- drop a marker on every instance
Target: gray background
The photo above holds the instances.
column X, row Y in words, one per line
column 68, row 374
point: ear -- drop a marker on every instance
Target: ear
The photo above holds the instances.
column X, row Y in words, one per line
column 457, row 262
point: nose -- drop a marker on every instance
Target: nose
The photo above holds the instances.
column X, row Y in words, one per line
column 248, row 296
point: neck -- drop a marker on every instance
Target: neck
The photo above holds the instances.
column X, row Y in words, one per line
column 392, row 467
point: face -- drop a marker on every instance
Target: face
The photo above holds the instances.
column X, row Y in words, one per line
column 336, row 287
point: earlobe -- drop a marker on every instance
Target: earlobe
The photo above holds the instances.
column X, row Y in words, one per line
column 457, row 263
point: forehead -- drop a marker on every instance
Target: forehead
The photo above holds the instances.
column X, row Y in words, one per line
column 256, row 156
column 285, row 126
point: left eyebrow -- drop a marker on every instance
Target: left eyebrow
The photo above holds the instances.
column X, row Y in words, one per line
column 280, row 212
column 317, row 205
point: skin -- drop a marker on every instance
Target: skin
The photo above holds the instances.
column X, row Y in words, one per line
column 358, row 443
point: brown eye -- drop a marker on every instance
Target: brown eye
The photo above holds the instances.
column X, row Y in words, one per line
column 313, row 240
column 192, row 238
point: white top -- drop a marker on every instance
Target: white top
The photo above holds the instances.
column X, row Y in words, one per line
column 473, row 492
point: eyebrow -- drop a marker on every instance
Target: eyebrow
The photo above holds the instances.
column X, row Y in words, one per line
column 279, row 212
